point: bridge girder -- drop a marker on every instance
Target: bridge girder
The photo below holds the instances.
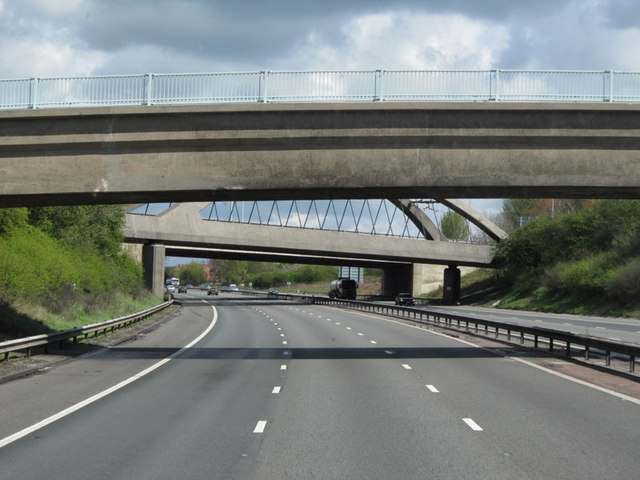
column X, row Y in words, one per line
column 304, row 151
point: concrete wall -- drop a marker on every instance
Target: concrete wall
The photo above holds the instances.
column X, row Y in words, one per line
column 284, row 151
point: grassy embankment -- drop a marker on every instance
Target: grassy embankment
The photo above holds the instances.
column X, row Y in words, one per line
column 57, row 274
column 586, row 262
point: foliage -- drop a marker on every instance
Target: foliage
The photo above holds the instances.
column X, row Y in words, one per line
column 96, row 228
column 592, row 252
column 192, row 273
column 11, row 218
column 62, row 265
column 454, row 226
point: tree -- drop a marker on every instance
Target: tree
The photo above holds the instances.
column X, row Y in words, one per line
column 96, row 228
column 192, row 273
column 454, row 226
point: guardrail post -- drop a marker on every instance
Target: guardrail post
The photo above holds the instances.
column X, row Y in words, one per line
column 586, row 353
column 632, row 363
column 568, row 352
column 611, row 76
column 608, row 358
column 535, row 341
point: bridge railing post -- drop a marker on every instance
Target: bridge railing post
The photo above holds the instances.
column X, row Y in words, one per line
column 610, row 76
column 262, row 90
column 33, row 93
column 378, row 86
column 494, row 93
column 149, row 89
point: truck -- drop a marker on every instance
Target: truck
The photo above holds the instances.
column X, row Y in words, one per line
column 344, row 288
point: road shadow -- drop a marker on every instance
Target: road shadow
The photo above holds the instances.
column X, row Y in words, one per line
column 196, row 353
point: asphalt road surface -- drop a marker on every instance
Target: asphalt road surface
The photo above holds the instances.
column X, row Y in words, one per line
column 611, row 328
column 286, row 391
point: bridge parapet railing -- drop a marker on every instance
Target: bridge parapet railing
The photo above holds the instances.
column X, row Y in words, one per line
column 553, row 339
column 47, row 339
column 321, row 86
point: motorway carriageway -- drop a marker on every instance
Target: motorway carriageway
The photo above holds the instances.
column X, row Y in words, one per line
column 272, row 390
column 618, row 329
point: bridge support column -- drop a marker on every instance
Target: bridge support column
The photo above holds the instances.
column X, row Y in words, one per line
column 397, row 279
column 153, row 267
column 451, row 291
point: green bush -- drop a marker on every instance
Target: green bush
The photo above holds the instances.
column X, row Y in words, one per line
column 588, row 275
column 624, row 281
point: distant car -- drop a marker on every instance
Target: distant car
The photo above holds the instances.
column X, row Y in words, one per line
column 205, row 286
column 405, row 299
column 272, row 292
column 233, row 288
column 182, row 289
column 212, row 291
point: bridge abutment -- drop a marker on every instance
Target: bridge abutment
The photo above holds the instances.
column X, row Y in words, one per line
column 153, row 256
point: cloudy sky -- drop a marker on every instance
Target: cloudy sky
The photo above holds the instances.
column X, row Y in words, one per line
column 82, row 37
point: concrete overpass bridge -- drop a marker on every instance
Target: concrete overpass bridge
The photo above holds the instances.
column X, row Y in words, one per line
column 305, row 151
column 182, row 230
column 477, row 147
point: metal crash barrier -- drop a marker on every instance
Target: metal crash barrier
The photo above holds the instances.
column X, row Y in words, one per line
column 45, row 340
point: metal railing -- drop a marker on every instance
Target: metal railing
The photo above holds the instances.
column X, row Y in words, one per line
column 322, row 86
column 45, row 340
column 553, row 339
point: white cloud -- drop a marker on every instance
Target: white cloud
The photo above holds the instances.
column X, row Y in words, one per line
column 27, row 57
column 406, row 41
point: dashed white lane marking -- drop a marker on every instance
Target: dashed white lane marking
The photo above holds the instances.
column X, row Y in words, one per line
column 337, row 323
column 276, row 390
column 348, row 328
column 74, row 408
column 530, row 364
column 432, row 389
column 473, row 425
column 260, row 426
column 279, row 328
column 360, row 334
column 283, row 367
column 406, row 366
column 282, row 334
column 373, row 341
column 284, row 342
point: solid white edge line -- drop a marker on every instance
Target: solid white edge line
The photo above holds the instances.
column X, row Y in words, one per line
column 473, row 425
column 74, row 408
column 260, row 426
column 621, row 396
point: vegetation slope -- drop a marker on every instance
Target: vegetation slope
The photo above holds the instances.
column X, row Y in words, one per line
column 63, row 266
column 586, row 261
